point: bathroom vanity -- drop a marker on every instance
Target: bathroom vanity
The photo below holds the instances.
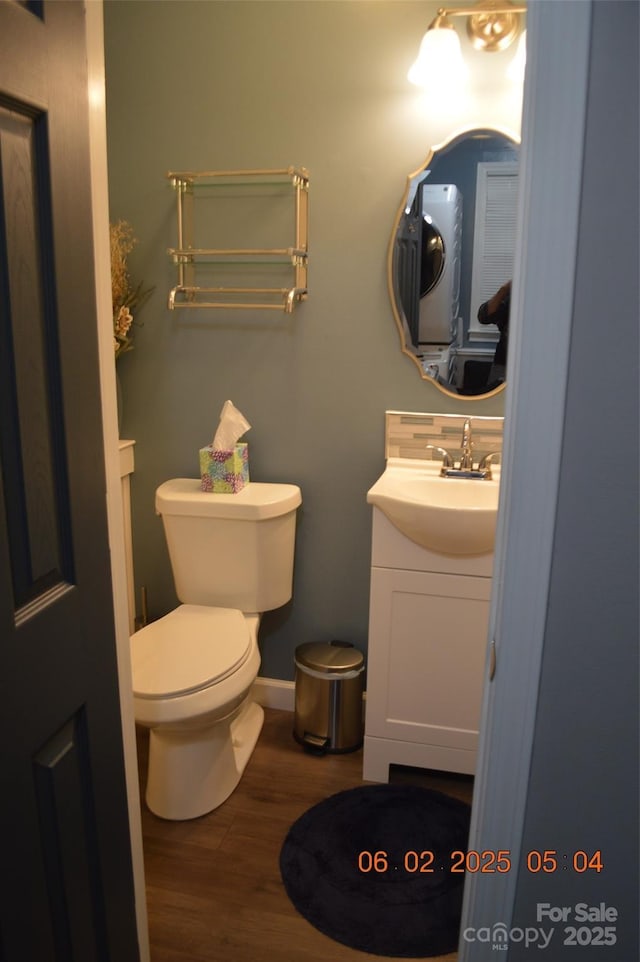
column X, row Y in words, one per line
column 428, row 620
column 428, row 627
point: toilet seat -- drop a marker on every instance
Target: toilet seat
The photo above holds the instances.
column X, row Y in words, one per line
column 190, row 649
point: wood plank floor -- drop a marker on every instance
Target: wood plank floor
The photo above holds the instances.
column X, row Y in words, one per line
column 214, row 891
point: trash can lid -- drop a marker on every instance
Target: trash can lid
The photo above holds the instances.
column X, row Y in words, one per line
column 335, row 656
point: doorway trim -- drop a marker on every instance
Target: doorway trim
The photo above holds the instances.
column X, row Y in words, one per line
column 555, row 100
column 102, row 258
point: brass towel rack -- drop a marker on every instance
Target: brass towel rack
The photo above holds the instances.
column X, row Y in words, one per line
column 190, row 259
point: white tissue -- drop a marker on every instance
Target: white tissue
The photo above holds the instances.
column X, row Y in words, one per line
column 232, row 426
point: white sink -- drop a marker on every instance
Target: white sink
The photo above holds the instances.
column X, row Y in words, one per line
column 447, row 515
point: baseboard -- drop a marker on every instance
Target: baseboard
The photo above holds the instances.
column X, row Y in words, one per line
column 274, row 693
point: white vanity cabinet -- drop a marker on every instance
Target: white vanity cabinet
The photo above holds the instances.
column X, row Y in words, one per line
column 428, row 622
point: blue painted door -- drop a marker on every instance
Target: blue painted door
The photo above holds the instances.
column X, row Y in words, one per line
column 66, row 884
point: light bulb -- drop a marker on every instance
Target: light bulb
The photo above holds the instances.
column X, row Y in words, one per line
column 515, row 70
column 439, row 60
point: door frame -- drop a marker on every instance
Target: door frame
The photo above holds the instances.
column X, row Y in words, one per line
column 555, row 99
column 102, row 258
column 533, row 423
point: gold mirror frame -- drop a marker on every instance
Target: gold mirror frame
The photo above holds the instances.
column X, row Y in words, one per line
column 433, row 151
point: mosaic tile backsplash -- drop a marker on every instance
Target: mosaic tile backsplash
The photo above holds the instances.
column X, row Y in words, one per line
column 407, row 434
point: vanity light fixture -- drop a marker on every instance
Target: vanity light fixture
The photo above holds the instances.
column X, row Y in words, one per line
column 492, row 25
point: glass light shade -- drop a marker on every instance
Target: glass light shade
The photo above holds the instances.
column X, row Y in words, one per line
column 439, row 60
column 515, row 70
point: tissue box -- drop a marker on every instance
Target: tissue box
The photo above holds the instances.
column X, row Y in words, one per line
column 224, row 472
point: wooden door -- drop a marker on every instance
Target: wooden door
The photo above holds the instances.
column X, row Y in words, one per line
column 66, row 884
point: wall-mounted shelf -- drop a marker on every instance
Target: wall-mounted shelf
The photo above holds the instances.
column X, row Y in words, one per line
column 241, row 202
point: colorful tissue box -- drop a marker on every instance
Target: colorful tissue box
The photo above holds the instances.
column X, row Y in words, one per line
column 224, row 472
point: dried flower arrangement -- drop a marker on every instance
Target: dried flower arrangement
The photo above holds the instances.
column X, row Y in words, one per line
column 124, row 295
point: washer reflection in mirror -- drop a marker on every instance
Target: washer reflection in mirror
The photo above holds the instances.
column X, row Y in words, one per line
column 451, row 248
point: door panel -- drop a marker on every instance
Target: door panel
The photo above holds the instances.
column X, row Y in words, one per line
column 33, row 454
column 66, row 889
column 62, row 781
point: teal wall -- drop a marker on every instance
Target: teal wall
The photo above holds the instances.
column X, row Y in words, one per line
column 213, row 85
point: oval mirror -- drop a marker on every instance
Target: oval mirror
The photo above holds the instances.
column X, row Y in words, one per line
column 451, row 253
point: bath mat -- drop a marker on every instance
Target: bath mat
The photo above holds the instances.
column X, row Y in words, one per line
column 373, row 868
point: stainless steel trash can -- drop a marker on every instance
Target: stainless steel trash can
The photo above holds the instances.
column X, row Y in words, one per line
column 328, row 697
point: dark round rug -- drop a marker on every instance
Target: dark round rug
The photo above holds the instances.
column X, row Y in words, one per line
column 371, row 868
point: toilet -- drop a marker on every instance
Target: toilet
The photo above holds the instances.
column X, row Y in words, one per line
column 193, row 670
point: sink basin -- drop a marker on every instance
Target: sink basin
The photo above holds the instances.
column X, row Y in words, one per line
column 447, row 515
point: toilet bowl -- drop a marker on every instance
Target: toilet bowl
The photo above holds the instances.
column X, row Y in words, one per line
column 193, row 669
column 192, row 675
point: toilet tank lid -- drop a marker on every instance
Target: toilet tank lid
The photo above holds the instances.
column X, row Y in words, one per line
column 257, row 501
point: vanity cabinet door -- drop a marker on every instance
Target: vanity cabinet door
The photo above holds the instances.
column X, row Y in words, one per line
column 427, row 645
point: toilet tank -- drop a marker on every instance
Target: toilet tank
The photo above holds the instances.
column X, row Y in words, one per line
column 230, row 550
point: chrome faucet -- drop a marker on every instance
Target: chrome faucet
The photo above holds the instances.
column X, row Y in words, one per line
column 465, row 469
column 466, row 461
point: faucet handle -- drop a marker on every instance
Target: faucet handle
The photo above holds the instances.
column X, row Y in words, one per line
column 447, row 460
column 485, row 463
column 487, row 459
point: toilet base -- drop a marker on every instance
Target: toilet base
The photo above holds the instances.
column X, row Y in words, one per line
column 193, row 772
